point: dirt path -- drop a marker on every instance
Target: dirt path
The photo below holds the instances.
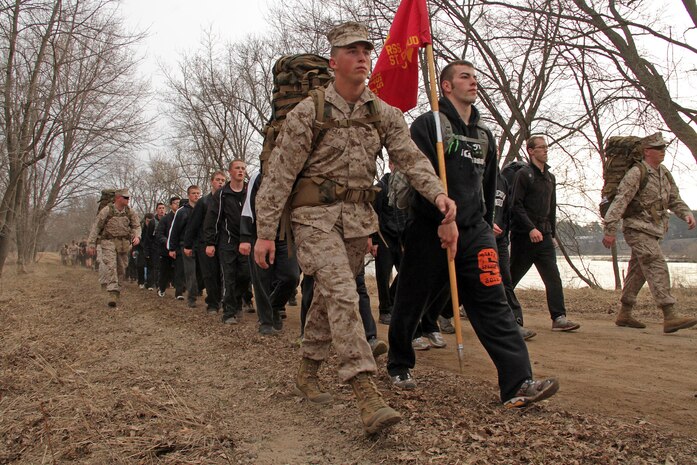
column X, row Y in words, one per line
column 156, row 382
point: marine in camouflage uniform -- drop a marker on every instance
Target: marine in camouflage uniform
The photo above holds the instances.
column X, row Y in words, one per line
column 115, row 229
column 332, row 238
column 643, row 230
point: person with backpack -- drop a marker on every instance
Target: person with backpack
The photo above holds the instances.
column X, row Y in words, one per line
column 643, row 228
column 327, row 177
column 533, row 230
column 471, row 169
column 502, row 227
column 116, row 229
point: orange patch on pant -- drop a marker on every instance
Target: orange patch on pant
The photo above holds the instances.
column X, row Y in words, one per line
column 489, row 264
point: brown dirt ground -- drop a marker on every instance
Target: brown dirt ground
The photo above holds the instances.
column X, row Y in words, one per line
column 156, row 382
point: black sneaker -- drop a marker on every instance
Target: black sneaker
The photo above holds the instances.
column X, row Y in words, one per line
column 267, row 330
column 403, row 380
column 533, row 391
column 212, row 310
column 385, row 318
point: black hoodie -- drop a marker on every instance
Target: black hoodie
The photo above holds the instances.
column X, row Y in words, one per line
column 222, row 223
column 471, row 178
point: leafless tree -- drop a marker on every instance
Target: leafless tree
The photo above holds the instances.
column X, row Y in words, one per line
column 71, row 100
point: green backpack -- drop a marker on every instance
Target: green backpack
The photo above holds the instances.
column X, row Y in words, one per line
column 294, row 76
column 106, row 198
column 621, row 154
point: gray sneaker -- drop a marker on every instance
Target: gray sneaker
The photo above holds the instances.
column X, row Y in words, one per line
column 526, row 333
column 403, row 381
column 420, row 343
column 533, row 391
column 436, row 340
column 377, row 346
column 562, row 324
column 446, row 327
column 231, row 320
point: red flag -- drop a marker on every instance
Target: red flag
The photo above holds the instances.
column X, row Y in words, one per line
column 395, row 78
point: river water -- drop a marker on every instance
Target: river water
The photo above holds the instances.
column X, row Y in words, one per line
column 682, row 274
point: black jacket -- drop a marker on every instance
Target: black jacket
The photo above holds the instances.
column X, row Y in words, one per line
column 179, row 224
column 193, row 236
column 162, row 233
column 471, row 175
column 392, row 220
column 502, row 217
column 534, row 201
column 222, row 222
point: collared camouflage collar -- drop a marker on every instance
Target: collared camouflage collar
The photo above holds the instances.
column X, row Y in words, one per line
column 333, row 97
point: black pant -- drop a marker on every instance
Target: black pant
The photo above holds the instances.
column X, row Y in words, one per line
column 369, row 327
column 389, row 255
column 235, row 278
column 169, row 275
column 210, row 271
column 505, row 267
column 190, row 278
column 273, row 286
column 422, row 279
column 524, row 254
column 151, row 271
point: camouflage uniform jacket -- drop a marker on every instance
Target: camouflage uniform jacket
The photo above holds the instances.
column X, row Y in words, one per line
column 114, row 224
column 659, row 195
column 344, row 155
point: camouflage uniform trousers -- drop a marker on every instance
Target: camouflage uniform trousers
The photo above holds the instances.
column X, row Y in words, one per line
column 114, row 262
column 646, row 264
column 333, row 315
column 101, row 269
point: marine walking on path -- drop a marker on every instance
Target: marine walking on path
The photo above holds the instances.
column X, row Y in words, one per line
column 116, row 229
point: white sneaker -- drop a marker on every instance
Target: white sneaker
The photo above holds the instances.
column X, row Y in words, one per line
column 436, row 340
column 420, row 344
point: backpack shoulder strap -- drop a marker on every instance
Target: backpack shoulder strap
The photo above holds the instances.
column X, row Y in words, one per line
column 483, row 132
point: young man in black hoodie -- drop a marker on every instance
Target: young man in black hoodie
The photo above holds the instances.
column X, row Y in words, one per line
column 175, row 243
column 167, row 270
column 221, row 233
column 195, row 246
column 273, row 286
column 471, row 167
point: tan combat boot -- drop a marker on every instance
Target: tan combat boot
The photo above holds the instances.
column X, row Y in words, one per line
column 624, row 318
column 375, row 413
column 673, row 321
column 307, row 383
column 113, row 298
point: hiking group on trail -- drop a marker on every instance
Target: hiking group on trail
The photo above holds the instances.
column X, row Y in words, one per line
column 316, row 209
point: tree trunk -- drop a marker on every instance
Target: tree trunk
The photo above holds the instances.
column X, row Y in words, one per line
column 592, row 284
column 616, row 268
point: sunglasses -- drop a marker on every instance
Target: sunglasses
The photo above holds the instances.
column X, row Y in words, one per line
column 660, row 147
column 125, row 197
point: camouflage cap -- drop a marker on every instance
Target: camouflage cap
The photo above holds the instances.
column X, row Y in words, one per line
column 654, row 140
column 121, row 193
column 349, row 33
